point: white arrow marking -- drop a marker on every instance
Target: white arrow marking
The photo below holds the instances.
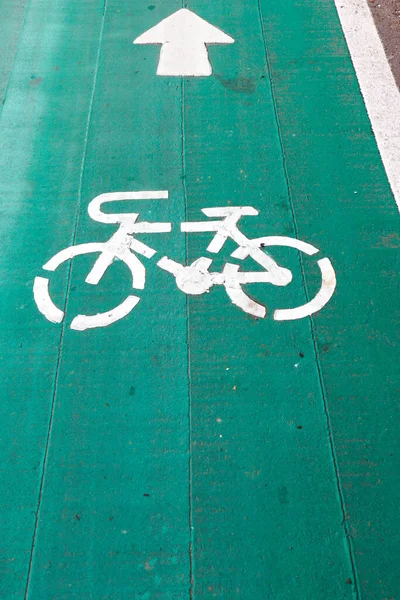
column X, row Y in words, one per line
column 184, row 37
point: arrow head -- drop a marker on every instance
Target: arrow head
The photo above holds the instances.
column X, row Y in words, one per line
column 184, row 27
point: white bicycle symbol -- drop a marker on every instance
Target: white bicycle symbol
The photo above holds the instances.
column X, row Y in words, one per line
column 193, row 279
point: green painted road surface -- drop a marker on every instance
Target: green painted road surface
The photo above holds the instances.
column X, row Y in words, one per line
column 191, row 450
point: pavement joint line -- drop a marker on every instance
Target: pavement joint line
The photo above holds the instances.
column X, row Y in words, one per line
column 190, row 460
column 382, row 101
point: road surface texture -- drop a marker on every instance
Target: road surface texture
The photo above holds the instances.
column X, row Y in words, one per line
column 193, row 449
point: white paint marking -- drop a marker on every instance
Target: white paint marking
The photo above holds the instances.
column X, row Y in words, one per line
column 227, row 228
column 145, row 227
column 69, row 253
column 101, row 265
column 95, row 212
column 227, row 211
column 110, row 254
column 237, row 295
column 378, row 86
column 282, row 240
column 107, row 255
column 141, row 248
column 44, row 302
column 194, row 279
column 83, row 322
column 184, row 37
column 324, row 295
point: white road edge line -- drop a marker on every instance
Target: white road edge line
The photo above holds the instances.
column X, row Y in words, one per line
column 378, row 86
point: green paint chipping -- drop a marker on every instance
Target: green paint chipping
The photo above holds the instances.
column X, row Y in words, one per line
column 190, row 450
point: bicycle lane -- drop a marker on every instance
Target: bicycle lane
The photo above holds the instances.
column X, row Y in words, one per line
column 114, row 516
column 344, row 188
column 37, row 170
column 251, row 387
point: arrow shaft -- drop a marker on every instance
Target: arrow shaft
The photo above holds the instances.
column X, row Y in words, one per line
column 183, row 59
